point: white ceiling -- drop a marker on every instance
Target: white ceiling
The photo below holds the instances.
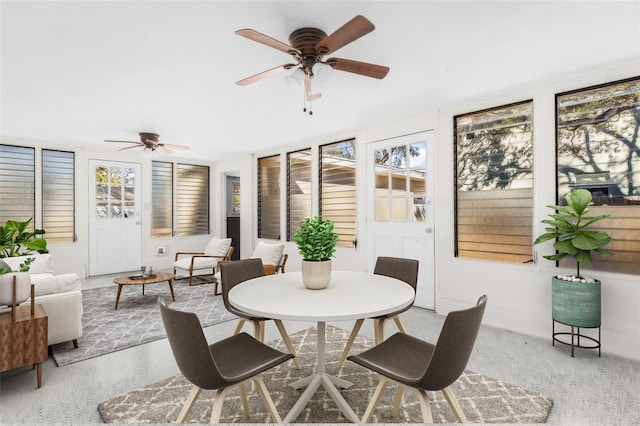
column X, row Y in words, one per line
column 75, row 73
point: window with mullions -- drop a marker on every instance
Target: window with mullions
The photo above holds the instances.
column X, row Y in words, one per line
column 338, row 189
column 18, row 190
column 269, row 197
column 58, row 195
column 598, row 149
column 298, row 189
column 161, row 199
column 192, row 210
column 494, row 183
column 17, row 183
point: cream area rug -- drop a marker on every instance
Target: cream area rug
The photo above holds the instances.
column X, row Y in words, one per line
column 483, row 399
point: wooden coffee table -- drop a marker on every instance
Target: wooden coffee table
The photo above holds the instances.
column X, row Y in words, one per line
column 157, row 278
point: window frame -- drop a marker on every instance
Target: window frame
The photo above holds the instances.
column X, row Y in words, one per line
column 517, row 249
column 350, row 227
column 625, row 233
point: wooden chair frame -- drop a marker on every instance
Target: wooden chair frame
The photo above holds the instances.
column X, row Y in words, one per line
column 206, row 278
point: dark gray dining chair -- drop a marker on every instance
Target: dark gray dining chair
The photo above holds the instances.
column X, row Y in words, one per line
column 421, row 366
column 222, row 366
column 236, row 272
column 395, row 267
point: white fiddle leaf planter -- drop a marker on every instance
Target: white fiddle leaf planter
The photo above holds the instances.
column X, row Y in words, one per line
column 23, row 287
column 316, row 275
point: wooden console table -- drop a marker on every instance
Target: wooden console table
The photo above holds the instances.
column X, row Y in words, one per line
column 23, row 340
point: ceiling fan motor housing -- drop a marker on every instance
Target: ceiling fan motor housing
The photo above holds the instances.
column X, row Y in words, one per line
column 305, row 40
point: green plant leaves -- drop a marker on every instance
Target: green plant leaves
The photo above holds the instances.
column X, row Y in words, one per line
column 15, row 240
column 315, row 239
column 569, row 225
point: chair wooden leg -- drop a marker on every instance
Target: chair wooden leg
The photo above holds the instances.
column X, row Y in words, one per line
column 75, row 343
column 262, row 389
column 375, row 400
column 188, row 405
column 243, row 398
column 453, row 403
column 398, row 402
column 352, row 337
column 399, row 324
column 287, row 342
column 241, row 322
column 218, row 399
column 378, row 330
column 425, row 405
column 258, row 330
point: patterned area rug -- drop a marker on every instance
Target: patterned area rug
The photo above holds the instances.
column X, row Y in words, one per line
column 483, row 399
column 137, row 319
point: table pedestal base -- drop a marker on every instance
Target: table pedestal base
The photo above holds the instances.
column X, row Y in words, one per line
column 329, row 382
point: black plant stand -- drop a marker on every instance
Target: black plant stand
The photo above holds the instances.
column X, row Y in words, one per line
column 575, row 333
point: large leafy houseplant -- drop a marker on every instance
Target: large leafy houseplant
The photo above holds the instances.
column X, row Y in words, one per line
column 15, row 240
column 570, row 225
column 315, row 239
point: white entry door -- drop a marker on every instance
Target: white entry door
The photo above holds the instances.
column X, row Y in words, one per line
column 115, row 231
column 400, row 206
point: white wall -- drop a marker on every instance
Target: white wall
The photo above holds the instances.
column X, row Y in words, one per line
column 519, row 294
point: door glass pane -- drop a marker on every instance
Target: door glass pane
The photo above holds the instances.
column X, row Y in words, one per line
column 382, row 209
column 399, row 157
column 418, row 183
column 382, row 180
column 419, row 209
column 418, row 155
column 399, row 183
column 381, row 156
column 399, row 209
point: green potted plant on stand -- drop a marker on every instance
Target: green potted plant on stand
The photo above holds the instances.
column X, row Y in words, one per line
column 575, row 299
column 316, row 243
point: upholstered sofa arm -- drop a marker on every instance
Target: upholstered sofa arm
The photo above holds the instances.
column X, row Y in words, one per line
column 52, row 284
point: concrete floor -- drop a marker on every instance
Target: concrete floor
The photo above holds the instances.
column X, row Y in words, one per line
column 586, row 390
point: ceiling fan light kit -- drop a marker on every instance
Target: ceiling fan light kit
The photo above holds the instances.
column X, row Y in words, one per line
column 308, row 46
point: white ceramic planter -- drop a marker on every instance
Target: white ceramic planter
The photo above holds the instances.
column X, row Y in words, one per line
column 23, row 287
column 316, row 275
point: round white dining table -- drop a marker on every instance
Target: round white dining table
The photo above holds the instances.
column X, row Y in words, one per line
column 350, row 295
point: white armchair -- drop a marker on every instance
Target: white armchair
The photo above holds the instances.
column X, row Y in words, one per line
column 200, row 267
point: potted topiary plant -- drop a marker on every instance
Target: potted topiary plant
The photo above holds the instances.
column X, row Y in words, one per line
column 575, row 299
column 316, row 243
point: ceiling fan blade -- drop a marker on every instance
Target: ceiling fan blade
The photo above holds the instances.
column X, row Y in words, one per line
column 352, row 30
column 264, row 74
column 111, row 140
column 362, row 68
column 269, row 41
column 129, row 147
column 170, row 145
column 164, row 149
